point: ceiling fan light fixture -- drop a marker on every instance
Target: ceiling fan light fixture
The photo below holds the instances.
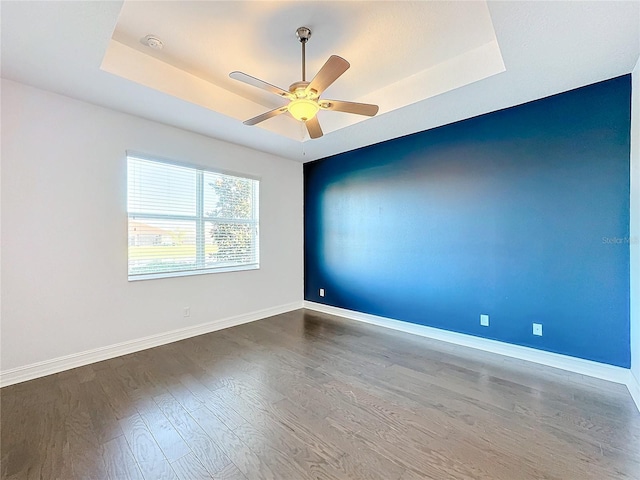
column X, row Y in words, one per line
column 303, row 109
column 304, row 101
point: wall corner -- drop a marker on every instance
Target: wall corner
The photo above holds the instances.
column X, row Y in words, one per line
column 634, row 224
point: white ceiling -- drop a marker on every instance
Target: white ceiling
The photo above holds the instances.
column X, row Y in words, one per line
column 425, row 63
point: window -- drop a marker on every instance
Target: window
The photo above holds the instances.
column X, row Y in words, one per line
column 186, row 221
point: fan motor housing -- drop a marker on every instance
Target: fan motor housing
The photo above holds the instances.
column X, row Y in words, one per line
column 299, row 89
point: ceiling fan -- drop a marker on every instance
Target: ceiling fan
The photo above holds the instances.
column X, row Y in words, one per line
column 304, row 102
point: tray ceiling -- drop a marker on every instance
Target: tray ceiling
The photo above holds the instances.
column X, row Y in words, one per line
column 400, row 52
column 425, row 63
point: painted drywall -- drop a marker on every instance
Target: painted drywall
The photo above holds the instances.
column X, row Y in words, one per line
column 634, row 257
column 520, row 214
column 64, row 224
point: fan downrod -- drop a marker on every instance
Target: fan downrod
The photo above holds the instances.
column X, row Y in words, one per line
column 303, row 34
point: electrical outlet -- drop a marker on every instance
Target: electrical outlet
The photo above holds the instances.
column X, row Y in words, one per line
column 537, row 329
column 322, row 292
column 186, row 312
column 484, row 320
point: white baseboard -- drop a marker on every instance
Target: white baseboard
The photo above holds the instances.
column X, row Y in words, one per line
column 563, row 362
column 55, row 365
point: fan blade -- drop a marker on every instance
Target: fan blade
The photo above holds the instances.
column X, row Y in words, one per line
column 349, row 107
column 265, row 116
column 256, row 82
column 329, row 73
column 313, row 127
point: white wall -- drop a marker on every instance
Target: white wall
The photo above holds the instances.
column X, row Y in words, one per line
column 635, row 223
column 64, row 224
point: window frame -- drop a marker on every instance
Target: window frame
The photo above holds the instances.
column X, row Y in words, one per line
column 199, row 218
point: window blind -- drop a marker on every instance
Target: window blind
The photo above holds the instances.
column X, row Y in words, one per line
column 185, row 220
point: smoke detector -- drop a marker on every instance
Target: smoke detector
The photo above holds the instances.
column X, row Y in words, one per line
column 153, row 42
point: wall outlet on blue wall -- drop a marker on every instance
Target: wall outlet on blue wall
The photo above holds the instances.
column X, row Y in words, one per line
column 484, row 320
column 537, row 329
column 322, row 292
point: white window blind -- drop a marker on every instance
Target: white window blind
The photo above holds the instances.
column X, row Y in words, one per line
column 185, row 220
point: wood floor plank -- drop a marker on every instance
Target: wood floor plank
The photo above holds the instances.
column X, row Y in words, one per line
column 190, row 468
column 317, row 458
column 225, row 412
column 449, row 432
column 588, row 459
column 251, row 465
column 287, row 457
column 103, row 418
column 87, row 462
column 352, row 458
column 275, row 451
column 119, row 460
column 115, row 393
column 230, row 472
column 169, row 440
column 208, row 452
column 85, row 449
column 305, row 395
column 145, row 450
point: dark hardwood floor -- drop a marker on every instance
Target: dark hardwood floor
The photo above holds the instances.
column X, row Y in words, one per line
column 305, row 395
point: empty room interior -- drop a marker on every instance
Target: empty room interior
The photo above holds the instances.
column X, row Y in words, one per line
column 320, row 240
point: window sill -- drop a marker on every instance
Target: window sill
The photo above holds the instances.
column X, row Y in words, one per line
column 189, row 273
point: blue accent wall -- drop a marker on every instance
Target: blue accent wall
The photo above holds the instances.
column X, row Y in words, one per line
column 521, row 214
